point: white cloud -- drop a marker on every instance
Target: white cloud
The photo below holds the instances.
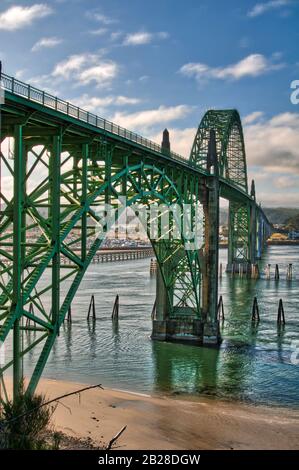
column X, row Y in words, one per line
column 261, row 8
column 251, row 66
column 46, row 43
column 87, row 68
column 100, row 74
column 286, row 182
column 20, row 74
column 17, row 17
column 104, row 19
column 115, row 35
column 143, row 37
column 100, row 17
column 99, row 32
column 280, row 198
column 250, row 118
column 98, row 104
column 72, row 64
column 144, row 120
column 274, row 143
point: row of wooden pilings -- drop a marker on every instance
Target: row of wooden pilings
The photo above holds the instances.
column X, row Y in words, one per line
column 255, row 313
column 91, row 314
column 253, row 271
column 124, row 255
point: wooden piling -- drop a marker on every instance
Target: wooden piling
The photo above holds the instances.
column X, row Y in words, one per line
column 220, row 309
column 255, row 311
column 289, row 272
column 220, row 271
column 153, row 267
column 280, row 315
column 154, row 310
column 255, row 272
column 115, row 310
column 92, row 308
column 276, row 272
column 69, row 315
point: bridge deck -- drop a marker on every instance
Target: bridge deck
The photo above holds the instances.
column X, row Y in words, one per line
column 50, row 111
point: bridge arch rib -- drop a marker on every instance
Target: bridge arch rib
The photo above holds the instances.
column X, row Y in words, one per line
column 90, row 176
column 230, row 146
column 84, row 162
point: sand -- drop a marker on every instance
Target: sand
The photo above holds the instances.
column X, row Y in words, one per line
column 160, row 422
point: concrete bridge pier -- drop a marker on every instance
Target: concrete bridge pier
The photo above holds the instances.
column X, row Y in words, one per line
column 159, row 331
column 174, row 323
column 260, row 237
column 253, row 227
column 211, row 332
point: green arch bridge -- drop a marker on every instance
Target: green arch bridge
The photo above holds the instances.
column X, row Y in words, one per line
column 65, row 164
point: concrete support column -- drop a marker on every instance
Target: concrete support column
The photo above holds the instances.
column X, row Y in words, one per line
column 253, row 234
column 161, row 297
column 211, row 334
column 231, row 237
column 159, row 331
column 253, row 227
column 259, row 237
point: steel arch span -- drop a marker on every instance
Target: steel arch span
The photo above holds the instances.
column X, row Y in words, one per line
column 229, row 143
column 63, row 165
column 231, row 157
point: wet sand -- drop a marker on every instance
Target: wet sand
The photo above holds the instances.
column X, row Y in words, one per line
column 155, row 422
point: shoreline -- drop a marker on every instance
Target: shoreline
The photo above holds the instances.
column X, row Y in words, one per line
column 170, row 422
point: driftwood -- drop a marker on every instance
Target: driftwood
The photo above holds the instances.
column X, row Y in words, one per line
column 55, row 400
column 114, row 439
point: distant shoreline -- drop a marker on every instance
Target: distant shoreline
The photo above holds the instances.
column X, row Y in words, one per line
column 271, row 243
column 283, row 242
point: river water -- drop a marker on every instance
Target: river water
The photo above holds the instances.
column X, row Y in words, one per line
column 254, row 363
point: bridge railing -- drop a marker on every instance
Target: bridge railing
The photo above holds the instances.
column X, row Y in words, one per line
column 34, row 94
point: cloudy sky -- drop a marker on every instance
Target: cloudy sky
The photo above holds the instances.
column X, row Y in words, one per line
column 151, row 64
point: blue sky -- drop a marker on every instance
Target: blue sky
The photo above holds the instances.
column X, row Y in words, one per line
column 150, row 65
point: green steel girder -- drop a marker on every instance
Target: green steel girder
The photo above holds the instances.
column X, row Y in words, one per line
column 85, row 186
column 62, row 170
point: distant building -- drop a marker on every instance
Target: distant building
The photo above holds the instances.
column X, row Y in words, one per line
column 279, row 236
column 293, row 235
column 280, row 228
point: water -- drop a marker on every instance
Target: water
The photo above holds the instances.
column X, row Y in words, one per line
column 253, row 363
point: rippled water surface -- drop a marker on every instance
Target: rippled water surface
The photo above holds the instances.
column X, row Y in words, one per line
column 252, row 364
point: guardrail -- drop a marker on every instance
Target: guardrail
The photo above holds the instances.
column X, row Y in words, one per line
column 34, row 94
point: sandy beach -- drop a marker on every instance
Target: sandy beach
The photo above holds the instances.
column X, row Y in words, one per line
column 155, row 422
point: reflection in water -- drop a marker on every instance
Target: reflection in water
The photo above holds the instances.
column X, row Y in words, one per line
column 253, row 362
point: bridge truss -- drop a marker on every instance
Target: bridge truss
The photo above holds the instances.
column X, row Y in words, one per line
column 66, row 165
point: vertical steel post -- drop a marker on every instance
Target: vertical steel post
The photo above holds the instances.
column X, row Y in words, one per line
column 55, row 219
column 17, row 254
column 85, row 154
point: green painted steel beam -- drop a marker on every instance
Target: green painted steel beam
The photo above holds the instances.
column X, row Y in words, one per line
column 52, row 219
